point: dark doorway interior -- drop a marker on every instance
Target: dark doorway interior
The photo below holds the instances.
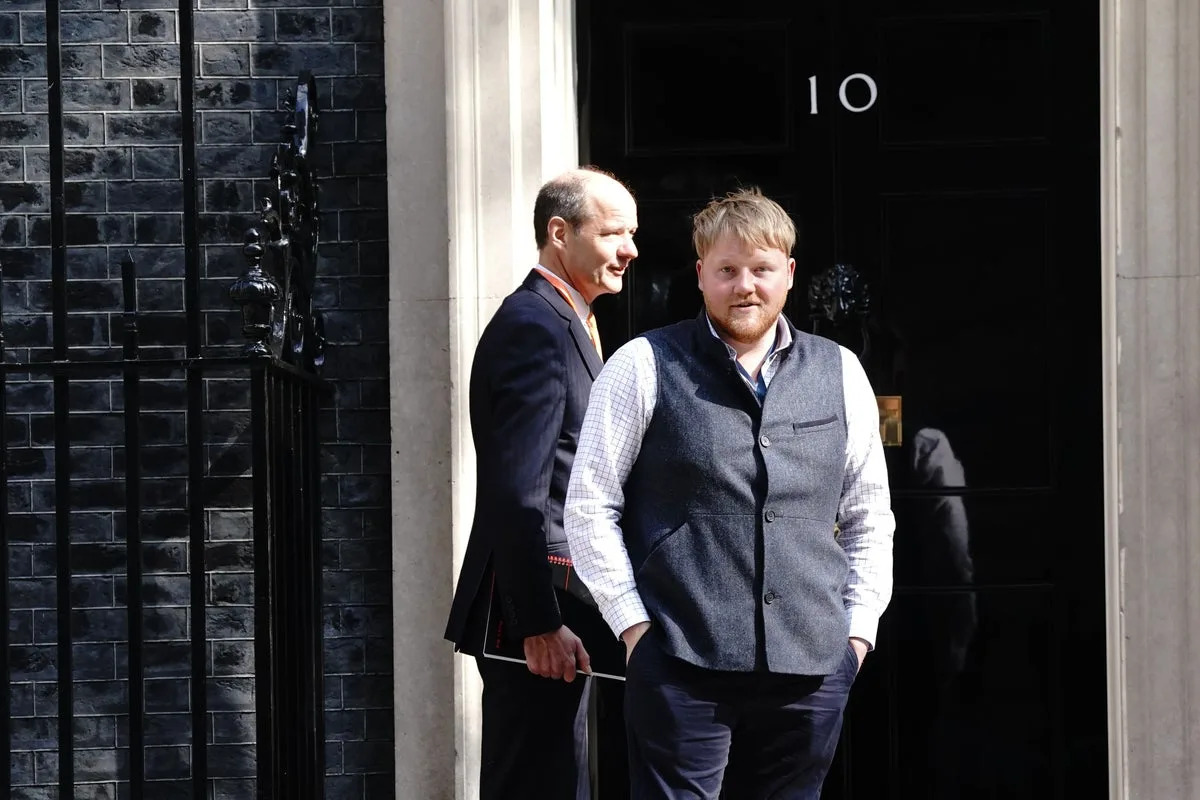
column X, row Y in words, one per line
column 949, row 152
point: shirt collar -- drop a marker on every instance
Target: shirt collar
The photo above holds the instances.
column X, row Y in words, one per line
column 582, row 309
column 783, row 337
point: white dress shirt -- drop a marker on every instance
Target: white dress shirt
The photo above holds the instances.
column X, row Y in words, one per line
column 582, row 309
column 619, row 411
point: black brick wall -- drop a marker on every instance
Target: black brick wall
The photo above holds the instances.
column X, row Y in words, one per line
column 124, row 194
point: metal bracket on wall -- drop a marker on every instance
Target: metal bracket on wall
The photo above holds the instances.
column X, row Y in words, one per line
column 276, row 292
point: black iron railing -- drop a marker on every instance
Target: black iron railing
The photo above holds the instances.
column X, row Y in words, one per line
column 265, row 456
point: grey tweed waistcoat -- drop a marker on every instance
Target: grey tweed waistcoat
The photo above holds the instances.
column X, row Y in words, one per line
column 730, row 507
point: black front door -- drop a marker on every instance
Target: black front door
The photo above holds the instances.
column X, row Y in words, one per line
column 948, row 153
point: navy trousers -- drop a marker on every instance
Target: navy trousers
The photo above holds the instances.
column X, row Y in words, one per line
column 698, row 734
column 535, row 737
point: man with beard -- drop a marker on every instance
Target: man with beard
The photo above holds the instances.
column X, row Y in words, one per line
column 729, row 511
column 530, row 379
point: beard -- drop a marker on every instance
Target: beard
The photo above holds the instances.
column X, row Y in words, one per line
column 747, row 326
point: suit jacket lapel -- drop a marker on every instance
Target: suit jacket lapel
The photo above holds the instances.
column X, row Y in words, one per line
column 591, row 359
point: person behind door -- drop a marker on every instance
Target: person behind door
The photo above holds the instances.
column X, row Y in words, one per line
column 715, row 459
column 530, row 379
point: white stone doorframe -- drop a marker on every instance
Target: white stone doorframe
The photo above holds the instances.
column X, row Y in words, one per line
column 481, row 107
column 1150, row 212
column 480, row 111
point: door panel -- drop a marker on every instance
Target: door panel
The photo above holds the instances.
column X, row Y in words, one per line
column 971, row 539
column 663, row 95
column 966, row 195
column 964, row 79
column 956, row 271
column 968, row 680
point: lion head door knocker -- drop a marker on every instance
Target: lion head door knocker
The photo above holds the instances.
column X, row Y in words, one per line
column 838, row 305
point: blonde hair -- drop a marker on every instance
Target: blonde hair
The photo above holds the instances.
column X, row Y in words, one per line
column 748, row 214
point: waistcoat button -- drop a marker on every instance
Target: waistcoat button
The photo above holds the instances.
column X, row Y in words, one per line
column 770, row 597
column 764, row 440
column 769, row 516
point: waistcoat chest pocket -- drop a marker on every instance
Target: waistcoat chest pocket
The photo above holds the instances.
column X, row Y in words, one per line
column 813, row 424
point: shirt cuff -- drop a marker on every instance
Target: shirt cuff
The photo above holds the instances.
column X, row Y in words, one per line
column 625, row 611
column 863, row 625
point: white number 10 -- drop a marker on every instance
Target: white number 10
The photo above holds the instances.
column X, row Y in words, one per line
column 857, row 76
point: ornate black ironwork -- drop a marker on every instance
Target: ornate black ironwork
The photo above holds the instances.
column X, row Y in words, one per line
column 276, row 293
column 840, row 297
column 256, row 294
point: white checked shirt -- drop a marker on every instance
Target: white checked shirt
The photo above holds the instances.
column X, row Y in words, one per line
column 619, row 411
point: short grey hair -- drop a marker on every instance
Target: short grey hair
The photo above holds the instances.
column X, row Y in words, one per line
column 565, row 196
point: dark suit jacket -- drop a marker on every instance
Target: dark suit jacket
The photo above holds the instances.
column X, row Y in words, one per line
column 530, row 380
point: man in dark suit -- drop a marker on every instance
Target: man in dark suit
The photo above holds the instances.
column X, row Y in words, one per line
column 530, row 380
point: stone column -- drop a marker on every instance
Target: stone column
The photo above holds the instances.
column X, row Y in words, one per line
column 1151, row 190
column 420, row 387
column 481, row 110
